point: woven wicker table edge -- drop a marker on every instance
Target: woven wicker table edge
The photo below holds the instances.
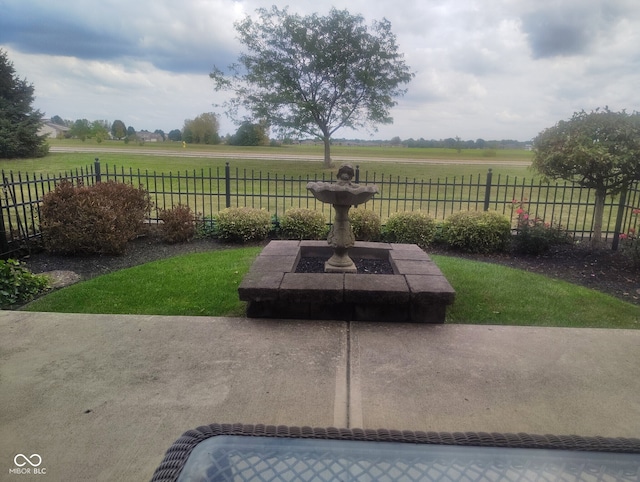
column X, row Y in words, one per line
column 176, row 456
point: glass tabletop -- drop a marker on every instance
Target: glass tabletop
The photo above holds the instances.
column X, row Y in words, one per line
column 242, row 458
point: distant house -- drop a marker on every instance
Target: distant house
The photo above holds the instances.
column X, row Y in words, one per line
column 149, row 136
column 53, row 130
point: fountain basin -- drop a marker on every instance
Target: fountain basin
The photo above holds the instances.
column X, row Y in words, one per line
column 416, row 292
column 341, row 194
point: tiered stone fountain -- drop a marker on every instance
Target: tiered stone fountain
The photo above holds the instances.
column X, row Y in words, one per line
column 341, row 195
column 417, row 291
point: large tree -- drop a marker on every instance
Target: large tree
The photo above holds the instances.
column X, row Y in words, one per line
column 19, row 121
column 314, row 74
column 175, row 135
column 118, row 129
column 249, row 134
column 202, row 130
column 599, row 150
column 81, row 129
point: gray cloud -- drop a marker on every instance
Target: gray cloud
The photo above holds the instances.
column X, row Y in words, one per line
column 170, row 42
column 570, row 28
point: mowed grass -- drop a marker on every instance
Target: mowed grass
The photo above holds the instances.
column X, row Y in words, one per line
column 488, row 293
column 338, row 149
column 197, row 284
column 206, row 284
column 395, row 166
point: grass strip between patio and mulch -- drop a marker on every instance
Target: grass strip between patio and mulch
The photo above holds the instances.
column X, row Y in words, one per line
column 195, row 284
column 491, row 294
column 206, row 284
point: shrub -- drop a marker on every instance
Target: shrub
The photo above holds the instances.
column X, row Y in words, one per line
column 477, row 231
column 96, row 219
column 365, row 224
column 414, row 227
column 300, row 223
column 178, row 224
column 243, row 224
column 18, row 284
column 534, row 235
column 206, row 227
column 629, row 241
column 537, row 237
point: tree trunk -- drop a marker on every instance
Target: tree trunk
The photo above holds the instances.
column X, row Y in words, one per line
column 598, row 214
column 327, row 151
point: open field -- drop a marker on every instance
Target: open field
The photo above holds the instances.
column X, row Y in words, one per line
column 317, row 150
column 438, row 181
column 59, row 162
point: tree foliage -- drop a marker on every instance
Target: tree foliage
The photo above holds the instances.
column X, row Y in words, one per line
column 19, row 121
column 249, row 134
column 201, row 130
column 314, row 74
column 57, row 120
column 599, row 150
column 118, row 129
column 81, row 129
column 99, row 130
column 175, row 135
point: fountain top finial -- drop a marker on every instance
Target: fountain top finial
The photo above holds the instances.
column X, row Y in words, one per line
column 345, row 174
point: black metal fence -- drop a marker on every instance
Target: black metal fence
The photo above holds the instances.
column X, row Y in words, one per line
column 208, row 191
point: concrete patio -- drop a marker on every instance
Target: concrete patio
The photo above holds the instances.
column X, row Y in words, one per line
column 101, row 397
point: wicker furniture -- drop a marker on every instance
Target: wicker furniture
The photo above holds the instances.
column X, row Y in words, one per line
column 259, row 452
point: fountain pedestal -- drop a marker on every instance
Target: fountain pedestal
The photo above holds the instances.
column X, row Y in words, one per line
column 341, row 238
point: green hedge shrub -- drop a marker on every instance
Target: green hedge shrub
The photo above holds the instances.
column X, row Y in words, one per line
column 365, row 224
column 18, row 284
column 239, row 225
column 98, row 219
column 206, row 227
column 300, row 223
column 415, row 227
column 478, row 231
column 178, row 224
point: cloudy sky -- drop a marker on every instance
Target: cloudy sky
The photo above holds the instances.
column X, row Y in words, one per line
column 491, row 69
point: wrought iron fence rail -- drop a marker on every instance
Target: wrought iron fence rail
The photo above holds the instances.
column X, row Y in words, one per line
column 207, row 192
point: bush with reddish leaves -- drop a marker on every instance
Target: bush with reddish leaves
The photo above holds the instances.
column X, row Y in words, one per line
column 178, row 224
column 98, row 219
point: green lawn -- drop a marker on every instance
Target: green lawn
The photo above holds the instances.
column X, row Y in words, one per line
column 206, row 284
column 488, row 293
column 196, row 284
column 403, row 166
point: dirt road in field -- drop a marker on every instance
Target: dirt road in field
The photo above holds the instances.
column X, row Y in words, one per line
column 188, row 152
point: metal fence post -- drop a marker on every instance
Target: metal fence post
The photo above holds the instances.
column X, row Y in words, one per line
column 98, row 174
column 616, row 233
column 227, row 184
column 487, row 190
column 357, row 174
column 4, row 244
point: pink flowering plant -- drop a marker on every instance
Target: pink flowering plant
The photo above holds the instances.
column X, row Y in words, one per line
column 533, row 234
column 629, row 241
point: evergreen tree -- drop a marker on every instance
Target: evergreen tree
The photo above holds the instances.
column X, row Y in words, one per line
column 19, row 122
